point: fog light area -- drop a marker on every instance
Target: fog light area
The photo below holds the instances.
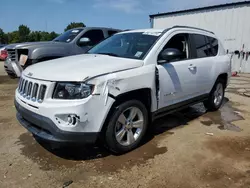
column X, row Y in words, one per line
column 69, row 120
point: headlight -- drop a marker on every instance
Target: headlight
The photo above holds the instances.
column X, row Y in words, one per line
column 72, row 90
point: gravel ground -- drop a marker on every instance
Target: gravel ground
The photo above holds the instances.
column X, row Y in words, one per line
column 188, row 149
column 2, row 71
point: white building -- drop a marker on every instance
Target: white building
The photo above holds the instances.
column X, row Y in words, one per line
column 230, row 22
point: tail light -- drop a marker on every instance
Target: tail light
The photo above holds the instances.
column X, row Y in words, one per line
column 4, row 54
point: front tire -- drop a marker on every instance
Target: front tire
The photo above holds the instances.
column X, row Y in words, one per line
column 216, row 96
column 127, row 127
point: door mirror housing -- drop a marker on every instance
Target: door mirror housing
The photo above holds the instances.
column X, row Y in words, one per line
column 84, row 41
column 170, row 54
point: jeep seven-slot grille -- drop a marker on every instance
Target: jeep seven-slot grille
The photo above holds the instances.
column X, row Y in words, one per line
column 32, row 90
column 11, row 54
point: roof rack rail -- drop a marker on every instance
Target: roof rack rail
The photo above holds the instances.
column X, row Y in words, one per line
column 189, row 27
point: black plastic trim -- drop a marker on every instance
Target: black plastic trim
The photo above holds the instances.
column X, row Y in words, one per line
column 112, row 96
column 44, row 128
column 177, row 107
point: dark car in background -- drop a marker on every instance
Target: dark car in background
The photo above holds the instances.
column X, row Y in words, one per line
column 72, row 42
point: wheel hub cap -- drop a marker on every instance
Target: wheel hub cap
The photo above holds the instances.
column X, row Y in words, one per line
column 218, row 94
column 129, row 126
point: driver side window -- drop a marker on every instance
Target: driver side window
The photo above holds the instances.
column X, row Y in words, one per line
column 177, row 45
column 95, row 36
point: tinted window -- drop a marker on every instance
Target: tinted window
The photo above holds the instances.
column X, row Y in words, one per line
column 201, row 46
column 95, row 36
column 112, row 32
column 68, row 36
column 179, row 42
column 126, row 45
column 213, row 46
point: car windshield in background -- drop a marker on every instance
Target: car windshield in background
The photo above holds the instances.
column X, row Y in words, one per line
column 127, row 45
column 68, row 36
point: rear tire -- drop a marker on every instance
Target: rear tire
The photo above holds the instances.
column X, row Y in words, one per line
column 216, row 96
column 127, row 127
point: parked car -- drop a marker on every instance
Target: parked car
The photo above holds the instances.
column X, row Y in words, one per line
column 113, row 92
column 3, row 52
column 72, row 42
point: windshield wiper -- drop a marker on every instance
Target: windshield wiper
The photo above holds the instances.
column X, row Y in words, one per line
column 110, row 54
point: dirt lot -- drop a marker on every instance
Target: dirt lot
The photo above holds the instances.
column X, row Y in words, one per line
column 2, row 71
column 188, row 149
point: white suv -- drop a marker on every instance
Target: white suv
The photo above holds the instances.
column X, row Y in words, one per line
column 114, row 92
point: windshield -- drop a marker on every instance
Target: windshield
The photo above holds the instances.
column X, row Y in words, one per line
column 68, row 36
column 127, row 45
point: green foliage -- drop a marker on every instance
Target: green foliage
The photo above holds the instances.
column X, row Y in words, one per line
column 73, row 25
column 24, row 34
column 41, row 36
column 35, row 36
column 53, row 35
column 13, row 37
column 3, row 37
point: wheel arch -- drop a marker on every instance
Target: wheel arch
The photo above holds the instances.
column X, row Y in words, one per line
column 224, row 78
column 143, row 95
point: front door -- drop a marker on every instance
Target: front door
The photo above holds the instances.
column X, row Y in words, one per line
column 177, row 79
column 95, row 36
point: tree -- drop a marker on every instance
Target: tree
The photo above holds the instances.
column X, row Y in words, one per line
column 1, row 36
column 34, row 36
column 24, row 32
column 45, row 36
column 53, row 35
column 73, row 25
column 13, row 37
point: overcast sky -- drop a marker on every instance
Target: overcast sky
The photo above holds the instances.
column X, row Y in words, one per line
column 54, row 15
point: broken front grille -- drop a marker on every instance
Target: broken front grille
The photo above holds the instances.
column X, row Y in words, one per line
column 11, row 54
column 32, row 90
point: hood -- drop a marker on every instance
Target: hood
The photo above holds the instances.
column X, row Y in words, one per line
column 80, row 67
column 27, row 45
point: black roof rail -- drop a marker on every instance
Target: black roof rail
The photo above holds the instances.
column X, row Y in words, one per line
column 189, row 27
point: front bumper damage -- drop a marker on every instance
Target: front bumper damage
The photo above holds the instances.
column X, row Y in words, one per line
column 45, row 129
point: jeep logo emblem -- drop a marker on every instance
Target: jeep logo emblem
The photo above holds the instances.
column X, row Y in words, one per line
column 30, row 74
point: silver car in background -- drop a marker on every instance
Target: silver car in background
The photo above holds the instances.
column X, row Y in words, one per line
column 72, row 42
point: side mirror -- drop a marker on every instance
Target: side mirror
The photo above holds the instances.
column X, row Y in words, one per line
column 170, row 54
column 84, row 41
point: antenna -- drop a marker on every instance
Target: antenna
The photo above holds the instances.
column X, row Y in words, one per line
column 46, row 25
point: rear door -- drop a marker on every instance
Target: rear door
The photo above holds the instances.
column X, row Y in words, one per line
column 204, row 59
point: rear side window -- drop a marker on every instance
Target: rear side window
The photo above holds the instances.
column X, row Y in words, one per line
column 112, row 32
column 213, row 46
column 201, row 45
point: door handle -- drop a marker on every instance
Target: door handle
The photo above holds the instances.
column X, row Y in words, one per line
column 191, row 66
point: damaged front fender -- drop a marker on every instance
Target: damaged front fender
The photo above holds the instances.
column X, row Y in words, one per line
column 116, row 84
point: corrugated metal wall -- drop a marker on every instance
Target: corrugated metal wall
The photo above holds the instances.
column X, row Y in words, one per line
column 230, row 24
